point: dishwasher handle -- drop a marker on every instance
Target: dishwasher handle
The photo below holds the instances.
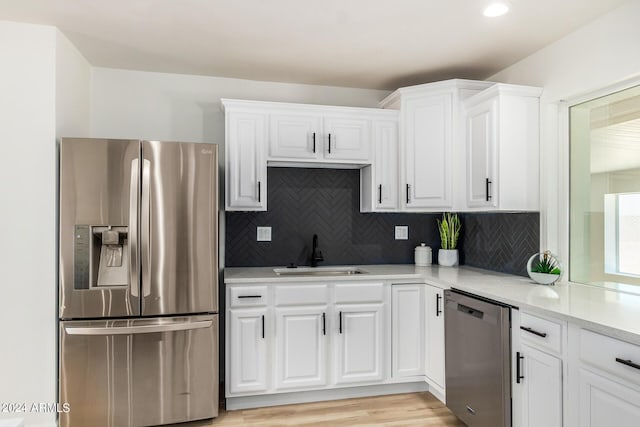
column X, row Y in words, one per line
column 470, row 310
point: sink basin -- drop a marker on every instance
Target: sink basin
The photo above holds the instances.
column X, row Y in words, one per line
column 318, row 271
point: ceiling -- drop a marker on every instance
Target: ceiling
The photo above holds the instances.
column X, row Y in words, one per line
column 355, row 43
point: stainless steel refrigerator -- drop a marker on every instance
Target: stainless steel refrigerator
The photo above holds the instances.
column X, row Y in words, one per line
column 138, row 287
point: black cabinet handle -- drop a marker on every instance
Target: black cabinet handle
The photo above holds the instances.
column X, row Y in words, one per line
column 263, row 326
column 438, row 311
column 329, row 143
column 340, row 322
column 408, row 187
column 249, row 296
column 314, row 142
column 380, row 193
column 531, row 331
column 518, row 359
column 487, row 184
column 259, row 185
column 324, row 325
column 628, row 363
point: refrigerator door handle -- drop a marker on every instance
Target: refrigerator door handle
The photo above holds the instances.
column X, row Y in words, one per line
column 145, row 329
column 134, row 284
column 145, row 225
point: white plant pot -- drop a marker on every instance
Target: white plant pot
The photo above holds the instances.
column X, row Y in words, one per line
column 448, row 257
column 543, row 278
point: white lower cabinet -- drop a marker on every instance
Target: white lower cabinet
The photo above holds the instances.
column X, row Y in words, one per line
column 301, row 347
column 248, row 344
column 604, row 380
column 407, row 330
column 359, row 345
column 607, row 403
column 538, row 380
column 541, row 384
column 434, row 353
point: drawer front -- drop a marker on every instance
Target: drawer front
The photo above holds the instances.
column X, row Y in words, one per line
column 617, row 357
column 541, row 332
column 359, row 293
column 303, row 294
column 248, row 296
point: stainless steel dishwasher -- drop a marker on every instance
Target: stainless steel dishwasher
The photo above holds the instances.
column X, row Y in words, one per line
column 478, row 362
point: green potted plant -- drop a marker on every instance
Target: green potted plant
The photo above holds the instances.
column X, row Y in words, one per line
column 544, row 268
column 449, row 228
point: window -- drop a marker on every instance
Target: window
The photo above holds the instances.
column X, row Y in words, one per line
column 622, row 234
column 604, row 221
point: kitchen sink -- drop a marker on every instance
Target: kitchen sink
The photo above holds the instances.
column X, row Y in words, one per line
column 318, row 271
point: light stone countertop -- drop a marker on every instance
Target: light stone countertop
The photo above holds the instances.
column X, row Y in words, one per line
column 613, row 313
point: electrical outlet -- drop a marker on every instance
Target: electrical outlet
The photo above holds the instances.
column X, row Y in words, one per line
column 402, row 232
column 264, row 234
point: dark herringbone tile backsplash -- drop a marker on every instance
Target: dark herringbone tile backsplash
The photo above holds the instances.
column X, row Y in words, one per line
column 326, row 202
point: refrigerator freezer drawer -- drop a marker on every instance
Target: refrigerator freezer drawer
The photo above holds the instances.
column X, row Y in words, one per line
column 139, row 372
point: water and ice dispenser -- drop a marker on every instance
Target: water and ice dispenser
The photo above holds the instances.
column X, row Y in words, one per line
column 101, row 257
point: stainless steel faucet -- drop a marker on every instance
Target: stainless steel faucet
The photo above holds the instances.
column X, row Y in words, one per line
column 316, row 254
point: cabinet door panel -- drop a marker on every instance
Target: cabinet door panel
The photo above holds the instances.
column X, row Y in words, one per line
column 386, row 164
column 294, row 136
column 246, row 163
column 300, row 347
column 481, row 146
column 359, row 347
column 407, row 330
column 605, row 403
column 346, row 138
column 434, row 365
column 541, row 388
column 427, row 152
column 248, row 346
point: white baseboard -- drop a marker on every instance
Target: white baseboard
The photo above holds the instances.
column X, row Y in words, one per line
column 245, row 402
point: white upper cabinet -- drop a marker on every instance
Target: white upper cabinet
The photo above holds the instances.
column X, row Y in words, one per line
column 430, row 124
column 260, row 134
column 346, row 137
column 427, row 144
column 379, row 182
column 502, row 149
column 480, row 154
column 246, row 168
column 295, row 136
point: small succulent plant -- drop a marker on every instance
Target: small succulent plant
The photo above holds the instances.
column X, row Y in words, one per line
column 546, row 264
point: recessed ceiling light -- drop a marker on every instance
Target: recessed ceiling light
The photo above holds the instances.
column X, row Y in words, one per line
column 496, row 8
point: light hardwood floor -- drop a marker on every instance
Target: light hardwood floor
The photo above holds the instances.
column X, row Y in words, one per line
column 412, row 409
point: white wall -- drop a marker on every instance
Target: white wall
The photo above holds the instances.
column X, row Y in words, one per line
column 601, row 54
column 73, row 84
column 27, row 217
column 137, row 104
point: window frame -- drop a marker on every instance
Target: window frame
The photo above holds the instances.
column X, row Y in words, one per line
column 558, row 222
